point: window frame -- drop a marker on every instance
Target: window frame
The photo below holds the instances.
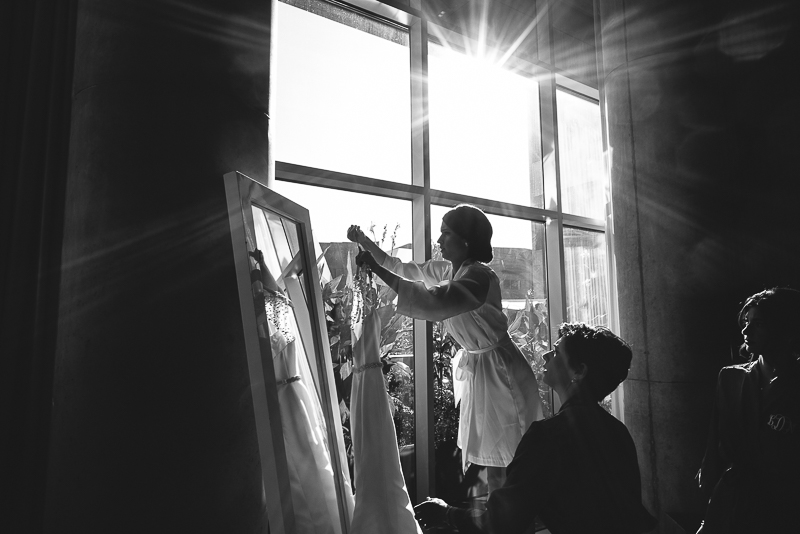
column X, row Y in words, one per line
column 421, row 195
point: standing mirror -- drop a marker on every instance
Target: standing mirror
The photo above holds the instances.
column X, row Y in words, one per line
column 303, row 460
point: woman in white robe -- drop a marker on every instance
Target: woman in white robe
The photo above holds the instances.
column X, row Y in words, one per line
column 496, row 386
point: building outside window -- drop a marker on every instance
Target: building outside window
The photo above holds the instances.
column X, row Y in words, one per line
column 389, row 121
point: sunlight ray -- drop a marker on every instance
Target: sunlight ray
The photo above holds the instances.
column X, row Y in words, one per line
column 521, row 37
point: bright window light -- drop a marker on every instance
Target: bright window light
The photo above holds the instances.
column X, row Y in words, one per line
column 583, row 177
column 484, row 129
column 342, row 96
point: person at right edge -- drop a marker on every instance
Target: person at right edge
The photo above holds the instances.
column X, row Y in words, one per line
column 577, row 471
column 751, row 468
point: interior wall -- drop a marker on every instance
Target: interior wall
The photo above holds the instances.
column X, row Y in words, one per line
column 573, row 31
column 152, row 426
column 702, row 113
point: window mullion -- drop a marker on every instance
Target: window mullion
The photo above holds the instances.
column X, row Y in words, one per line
column 556, row 284
column 554, row 229
column 423, row 330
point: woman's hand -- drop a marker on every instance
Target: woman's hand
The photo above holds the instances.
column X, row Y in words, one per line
column 355, row 234
column 365, row 256
column 431, row 512
column 257, row 255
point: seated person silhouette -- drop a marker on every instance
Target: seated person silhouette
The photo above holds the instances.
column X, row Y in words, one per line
column 576, row 471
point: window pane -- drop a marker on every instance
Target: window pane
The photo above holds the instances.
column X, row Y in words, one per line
column 388, row 223
column 341, row 93
column 518, row 247
column 583, row 177
column 485, row 136
column 586, row 274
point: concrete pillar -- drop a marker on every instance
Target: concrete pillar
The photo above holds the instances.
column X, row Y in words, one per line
column 152, row 423
column 702, row 111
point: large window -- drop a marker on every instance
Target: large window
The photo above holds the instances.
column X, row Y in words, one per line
column 377, row 124
column 586, row 276
column 484, row 128
column 346, row 107
column 583, row 183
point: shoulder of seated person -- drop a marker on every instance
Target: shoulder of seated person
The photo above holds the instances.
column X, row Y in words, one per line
column 545, row 425
column 578, row 410
column 480, row 269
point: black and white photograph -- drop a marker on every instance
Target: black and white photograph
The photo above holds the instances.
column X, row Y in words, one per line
column 400, row 266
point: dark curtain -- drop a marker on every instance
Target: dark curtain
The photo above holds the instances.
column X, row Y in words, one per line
column 36, row 59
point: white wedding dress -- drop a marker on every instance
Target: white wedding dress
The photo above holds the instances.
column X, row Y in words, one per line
column 311, row 474
column 382, row 502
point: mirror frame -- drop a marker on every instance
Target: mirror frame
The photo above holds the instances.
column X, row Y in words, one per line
column 241, row 193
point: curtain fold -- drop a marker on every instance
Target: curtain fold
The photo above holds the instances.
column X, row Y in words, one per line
column 36, row 58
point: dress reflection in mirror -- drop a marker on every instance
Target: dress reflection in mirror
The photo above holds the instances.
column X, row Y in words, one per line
column 311, row 471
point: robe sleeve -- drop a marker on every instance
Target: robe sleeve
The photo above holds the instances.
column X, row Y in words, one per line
column 425, row 294
column 512, row 509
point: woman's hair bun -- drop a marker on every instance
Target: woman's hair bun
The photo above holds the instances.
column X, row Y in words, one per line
column 471, row 223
